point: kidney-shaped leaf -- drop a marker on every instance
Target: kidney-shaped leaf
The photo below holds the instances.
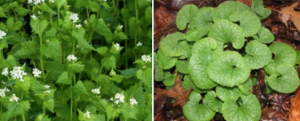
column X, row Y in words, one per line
column 229, row 69
column 172, row 46
column 165, row 61
column 284, row 54
column 203, row 19
column 226, row 93
column 194, row 111
column 286, row 80
column 225, row 9
column 258, row 55
column 264, row 35
column 212, row 102
column 185, row 16
column 225, row 31
column 247, row 109
column 248, row 21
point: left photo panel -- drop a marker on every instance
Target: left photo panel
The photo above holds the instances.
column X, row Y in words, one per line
column 76, row 60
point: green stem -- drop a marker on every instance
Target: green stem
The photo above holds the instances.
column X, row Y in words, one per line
column 136, row 21
column 23, row 116
column 125, row 26
column 41, row 58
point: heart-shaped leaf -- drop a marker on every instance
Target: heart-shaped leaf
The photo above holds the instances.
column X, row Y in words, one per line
column 185, row 16
column 264, row 35
column 258, row 55
column 203, row 19
column 212, row 102
column 228, row 69
column 225, row 9
column 172, row 46
column 226, row 93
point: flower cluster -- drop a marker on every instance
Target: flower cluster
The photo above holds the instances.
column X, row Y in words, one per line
column 117, row 46
column 139, row 44
column 36, row 2
column 33, row 16
column 2, row 92
column 14, row 98
column 18, row 73
column 71, row 57
column 2, row 34
column 146, row 58
column 87, row 114
column 74, row 17
column 5, row 71
column 47, row 87
column 96, row 90
column 36, row 72
column 119, row 98
column 133, row 101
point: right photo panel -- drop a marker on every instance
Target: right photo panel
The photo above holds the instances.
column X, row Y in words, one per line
column 226, row 60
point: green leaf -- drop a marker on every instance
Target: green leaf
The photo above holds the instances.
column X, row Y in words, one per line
column 13, row 25
column 225, row 31
column 128, row 73
column 60, row 3
column 25, row 85
column 112, row 112
column 257, row 6
column 284, row 54
column 172, row 46
column 79, row 89
column 49, row 104
column 52, row 50
column 158, row 70
column 226, row 93
column 76, row 67
column 64, row 79
column 212, row 102
column 246, row 87
column 264, row 35
column 42, row 117
column 82, row 42
column 17, row 108
column 102, row 50
column 117, row 78
column 145, row 76
column 109, row 62
column 185, row 16
column 94, row 6
column 28, row 50
column 169, row 80
column 258, row 54
column 38, row 26
column 195, row 34
column 247, row 109
column 194, row 111
column 229, row 69
column 101, row 28
column 286, row 80
column 225, row 9
column 2, row 14
column 129, row 112
column 182, row 66
column 21, row 11
column 248, row 21
column 46, row 8
column 36, row 86
column 166, row 61
column 203, row 20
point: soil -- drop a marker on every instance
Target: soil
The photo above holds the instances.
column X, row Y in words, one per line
column 275, row 106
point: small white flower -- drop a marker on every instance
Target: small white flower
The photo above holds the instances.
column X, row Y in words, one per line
column 48, row 91
column 78, row 25
column 119, row 27
column 74, row 17
column 139, row 44
column 133, row 101
column 119, row 98
column 117, row 102
column 29, row 1
column 111, row 99
column 14, row 98
column 33, row 17
column 71, row 57
column 36, row 2
column 96, row 91
column 2, row 34
column 47, row 86
column 36, row 72
column 117, row 46
column 146, row 58
column 5, row 71
column 87, row 114
column 52, row 1
column 85, row 21
column 18, row 73
column 5, row 89
column 2, row 92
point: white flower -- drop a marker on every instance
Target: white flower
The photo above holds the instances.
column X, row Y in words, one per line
column 52, row 1
column 29, row 1
column 18, row 73
column 14, row 98
column 119, row 98
column 117, row 46
column 47, row 86
column 5, row 71
column 71, row 57
column 139, row 44
column 96, row 91
column 117, row 102
column 133, row 101
column 146, row 58
column 33, row 17
column 2, row 92
column 36, row 72
column 2, row 34
column 74, row 17
column 48, row 91
column 111, row 99
column 36, row 2
column 78, row 25
column 120, row 27
column 87, row 114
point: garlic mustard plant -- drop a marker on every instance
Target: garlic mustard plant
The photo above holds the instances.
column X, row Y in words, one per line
column 18, row 73
column 2, row 34
column 14, row 98
column 36, row 72
column 5, row 71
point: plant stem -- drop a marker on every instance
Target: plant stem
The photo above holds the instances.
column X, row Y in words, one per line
column 136, row 21
column 125, row 28
column 41, row 58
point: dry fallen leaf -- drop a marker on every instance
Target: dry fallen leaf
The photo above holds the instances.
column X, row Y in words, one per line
column 294, row 114
column 284, row 18
column 247, row 2
column 295, row 15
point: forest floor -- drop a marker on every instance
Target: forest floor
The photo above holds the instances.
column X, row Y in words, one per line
column 284, row 23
